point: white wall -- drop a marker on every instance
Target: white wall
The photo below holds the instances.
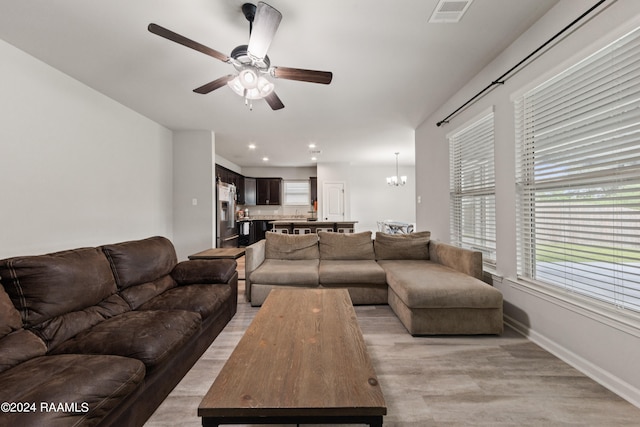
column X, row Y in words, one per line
column 368, row 198
column 194, row 206
column 579, row 333
column 77, row 168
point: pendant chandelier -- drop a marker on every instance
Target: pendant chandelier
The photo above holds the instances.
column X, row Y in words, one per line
column 396, row 180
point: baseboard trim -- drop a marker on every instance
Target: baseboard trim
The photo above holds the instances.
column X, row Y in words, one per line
column 604, row 378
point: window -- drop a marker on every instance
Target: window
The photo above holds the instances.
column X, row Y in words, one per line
column 297, row 193
column 578, row 177
column 472, row 188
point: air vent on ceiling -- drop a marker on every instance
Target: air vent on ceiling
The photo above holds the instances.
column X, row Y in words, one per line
column 449, row 11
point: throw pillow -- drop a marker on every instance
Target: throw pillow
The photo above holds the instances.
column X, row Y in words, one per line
column 346, row 245
column 402, row 246
column 291, row 246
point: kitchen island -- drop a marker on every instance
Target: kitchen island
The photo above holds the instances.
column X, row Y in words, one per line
column 301, row 226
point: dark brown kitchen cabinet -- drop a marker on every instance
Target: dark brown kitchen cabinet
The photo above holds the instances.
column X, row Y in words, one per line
column 230, row 177
column 250, row 191
column 268, row 191
column 313, row 189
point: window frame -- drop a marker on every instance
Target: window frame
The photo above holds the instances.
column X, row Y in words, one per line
column 472, row 189
column 561, row 179
column 289, row 193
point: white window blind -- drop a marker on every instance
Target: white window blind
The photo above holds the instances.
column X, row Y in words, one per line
column 578, row 177
column 297, row 193
column 472, row 188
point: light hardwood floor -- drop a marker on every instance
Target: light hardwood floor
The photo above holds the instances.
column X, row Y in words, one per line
column 438, row 381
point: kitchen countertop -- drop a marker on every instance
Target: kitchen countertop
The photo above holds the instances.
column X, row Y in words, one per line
column 272, row 218
column 303, row 221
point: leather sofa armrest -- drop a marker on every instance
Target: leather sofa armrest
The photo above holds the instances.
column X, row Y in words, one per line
column 254, row 257
column 204, row 271
column 463, row 260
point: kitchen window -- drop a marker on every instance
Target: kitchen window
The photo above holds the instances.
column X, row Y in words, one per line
column 297, row 193
column 578, row 178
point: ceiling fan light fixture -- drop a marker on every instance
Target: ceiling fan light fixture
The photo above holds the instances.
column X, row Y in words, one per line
column 248, row 78
column 265, row 86
column 236, row 85
column 257, row 88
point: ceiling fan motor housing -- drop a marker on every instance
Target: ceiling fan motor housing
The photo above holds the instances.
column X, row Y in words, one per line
column 242, row 59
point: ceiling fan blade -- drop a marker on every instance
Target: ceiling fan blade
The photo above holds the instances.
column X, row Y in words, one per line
column 175, row 37
column 273, row 101
column 216, row 84
column 265, row 25
column 312, row 76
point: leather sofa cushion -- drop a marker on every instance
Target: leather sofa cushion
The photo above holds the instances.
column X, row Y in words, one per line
column 344, row 246
column 202, row 271
column 149, row 336
column 19, row 346
column 203, row 299
column 139, row 294
column 287, row 272
column 100, row 381
column 10, row 320
column 45, row 286
column 402, row 246
column 351, row 272
column 141, row 261
column 426, row 284
column 61, row 328
column 291, row 247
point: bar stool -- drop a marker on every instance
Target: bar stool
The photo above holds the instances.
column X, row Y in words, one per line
column 327, row 229
column 345, row 230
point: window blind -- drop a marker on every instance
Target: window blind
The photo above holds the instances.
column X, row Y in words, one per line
column 472, row 188
column 297, row 193
column 578, row 177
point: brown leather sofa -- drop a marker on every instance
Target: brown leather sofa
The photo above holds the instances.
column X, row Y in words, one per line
column 100, row 336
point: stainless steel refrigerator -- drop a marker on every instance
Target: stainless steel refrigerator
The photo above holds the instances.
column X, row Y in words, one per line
column 227, row 230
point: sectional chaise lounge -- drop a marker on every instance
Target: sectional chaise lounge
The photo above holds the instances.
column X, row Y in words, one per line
column 433, row 288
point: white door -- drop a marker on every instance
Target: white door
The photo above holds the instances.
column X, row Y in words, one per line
column 333, row 201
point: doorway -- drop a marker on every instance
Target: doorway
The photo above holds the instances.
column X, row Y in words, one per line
column 333, row 201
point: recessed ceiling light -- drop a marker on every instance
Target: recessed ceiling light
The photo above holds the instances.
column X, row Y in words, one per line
column 252, row 146
column 312, row 145
column 314, row 159
column 265, row 159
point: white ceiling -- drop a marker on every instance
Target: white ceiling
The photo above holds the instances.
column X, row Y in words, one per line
column 391, row 68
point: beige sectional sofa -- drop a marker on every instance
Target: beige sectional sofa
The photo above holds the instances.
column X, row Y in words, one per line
column 434, row 288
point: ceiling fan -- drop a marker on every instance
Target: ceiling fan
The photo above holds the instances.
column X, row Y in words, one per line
column 250, row 61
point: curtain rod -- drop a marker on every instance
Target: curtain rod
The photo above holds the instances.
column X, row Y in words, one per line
column 500, row 80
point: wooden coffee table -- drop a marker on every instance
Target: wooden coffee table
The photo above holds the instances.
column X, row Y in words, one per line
column 302, row 360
